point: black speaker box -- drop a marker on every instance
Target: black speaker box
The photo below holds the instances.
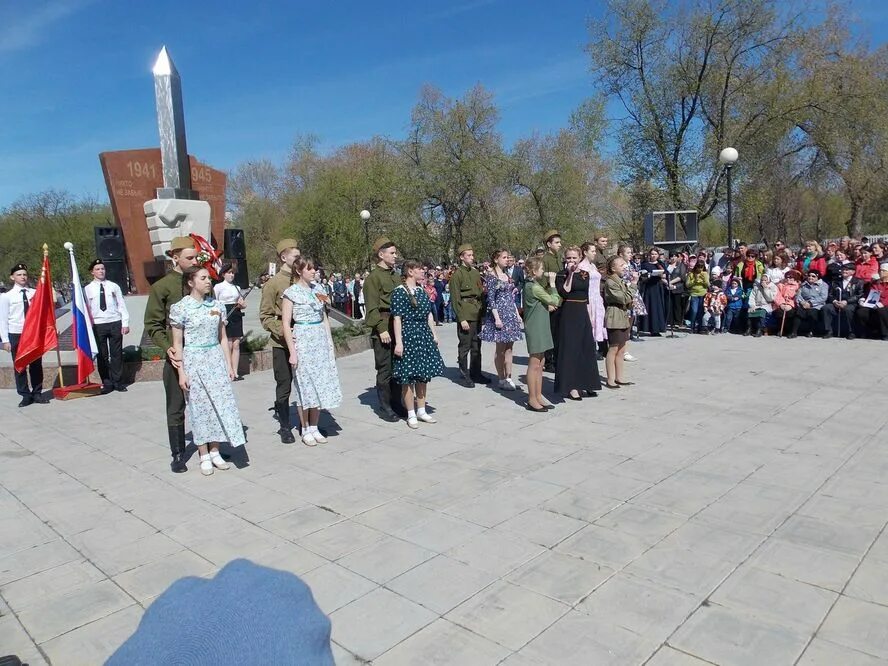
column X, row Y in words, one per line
column 110, row 249
column 109, row 244
column 235, row 247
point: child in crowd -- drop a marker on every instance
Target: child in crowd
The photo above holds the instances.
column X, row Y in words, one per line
column 714, row 305
column 736, row 297
column 715, row 277
column 448, row 312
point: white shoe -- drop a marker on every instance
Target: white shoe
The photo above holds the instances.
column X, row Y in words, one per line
column 426, row 418
column 218, row 461
column 412, row 423
column 507, row 384
column 206, row 465
column 319, row 438
column 629, row 357
column 309, row 440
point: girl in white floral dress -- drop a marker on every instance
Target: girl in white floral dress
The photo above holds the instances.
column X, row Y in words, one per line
column 315, row 377
column 198, row 325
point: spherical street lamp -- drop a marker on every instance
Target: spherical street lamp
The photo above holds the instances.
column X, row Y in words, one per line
column 365, row 214
column 727, row 157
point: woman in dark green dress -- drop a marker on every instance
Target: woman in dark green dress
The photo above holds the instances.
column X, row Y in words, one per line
column 417, row 358
column 538, row 303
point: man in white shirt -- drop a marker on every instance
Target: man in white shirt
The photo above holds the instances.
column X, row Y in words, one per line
column 110, row 323
column 14, row 306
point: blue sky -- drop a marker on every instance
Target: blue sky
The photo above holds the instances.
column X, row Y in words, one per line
column 75, row 75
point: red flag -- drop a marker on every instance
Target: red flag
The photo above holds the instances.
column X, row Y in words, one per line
column 39, row 333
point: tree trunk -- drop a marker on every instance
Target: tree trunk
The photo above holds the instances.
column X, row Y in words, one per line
column 855, row 222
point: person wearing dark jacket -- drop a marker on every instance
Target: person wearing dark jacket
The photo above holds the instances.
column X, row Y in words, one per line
column 842, row 301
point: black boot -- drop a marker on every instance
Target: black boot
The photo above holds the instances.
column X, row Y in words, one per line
column 177, row 448
column 465, row 379
column 748, row 327
column 282, row 409
column 384, row 397
column 477, row 376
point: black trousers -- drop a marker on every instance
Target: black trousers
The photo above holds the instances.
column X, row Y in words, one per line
column 34, row 371
column 175, row 397
column 678, row 305
column 109, row 338
column 810, row 316
column 845, row 314
column 469, row 346
column 283, row 374
column 872, row 318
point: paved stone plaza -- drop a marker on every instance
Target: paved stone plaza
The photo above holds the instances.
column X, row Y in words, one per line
column 729, row 509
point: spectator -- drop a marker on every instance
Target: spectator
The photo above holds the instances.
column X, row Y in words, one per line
column 697, row 282
column 440, row 286
column 601, row 254
column 761, row 299
column 844, row 292
column 834, row 266
column 653, row 281
column 867, row 266
column 736, row 297
column 749, row 270
column 811, row 258
column 876, row 315
column 777, row 268
column 879, row 252
column 714, row 303
column 785, row 300
column 810, row 300
column 677, row 272
column 340, row 292
column 357, row 292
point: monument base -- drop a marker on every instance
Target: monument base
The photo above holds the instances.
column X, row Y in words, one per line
column 168, row 218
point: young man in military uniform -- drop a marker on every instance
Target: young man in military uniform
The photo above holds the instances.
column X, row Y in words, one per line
column 467, row 301
column 166, row 292
column 378, row 289
column 14, row 306
column 270, row 316
column 552, row 265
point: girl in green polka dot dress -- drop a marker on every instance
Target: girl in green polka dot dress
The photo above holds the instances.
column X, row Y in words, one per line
column 417, row 358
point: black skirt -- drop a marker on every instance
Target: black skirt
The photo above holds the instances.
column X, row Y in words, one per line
column 235, row 326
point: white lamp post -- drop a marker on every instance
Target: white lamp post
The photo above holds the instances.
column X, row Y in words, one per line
column 727, row 157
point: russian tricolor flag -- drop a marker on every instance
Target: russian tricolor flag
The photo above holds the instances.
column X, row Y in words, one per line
column 84, row 339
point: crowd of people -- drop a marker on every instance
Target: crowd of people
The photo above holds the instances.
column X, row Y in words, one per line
column 573, row 306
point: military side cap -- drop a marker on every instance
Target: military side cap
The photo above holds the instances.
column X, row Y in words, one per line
column 465, row 247
column 286, row 244
column 380, row 243
column 551, row 234
column 180, row 243
column 18, row 267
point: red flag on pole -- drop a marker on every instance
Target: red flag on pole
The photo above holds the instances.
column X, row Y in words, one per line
column 39, row 333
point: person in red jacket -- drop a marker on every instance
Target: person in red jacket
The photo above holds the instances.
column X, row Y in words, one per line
column 875, row 314
column 867, row 266
column 811, row 259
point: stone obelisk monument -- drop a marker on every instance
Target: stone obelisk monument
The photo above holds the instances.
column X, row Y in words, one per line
column 176, row 211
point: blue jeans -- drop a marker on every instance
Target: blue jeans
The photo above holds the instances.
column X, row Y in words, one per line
column 730, row 316
column 695, row 313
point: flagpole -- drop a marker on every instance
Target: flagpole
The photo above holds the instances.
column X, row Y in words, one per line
column 54, row 323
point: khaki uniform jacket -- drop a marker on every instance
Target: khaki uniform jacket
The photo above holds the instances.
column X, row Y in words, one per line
column 551, row 264
column 270, row 305
column 378, row 289
column 618, row 297
column 466, row 294
column 166, row 292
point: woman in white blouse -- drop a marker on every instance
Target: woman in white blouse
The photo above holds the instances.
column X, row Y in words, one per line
column 229, row 295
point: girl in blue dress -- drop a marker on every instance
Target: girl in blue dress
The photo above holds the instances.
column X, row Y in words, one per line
column 198, row 326
column 502, row 323
column 315, row 377
column 417, row 358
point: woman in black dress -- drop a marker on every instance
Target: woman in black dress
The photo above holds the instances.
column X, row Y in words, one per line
column 654, row 292
column 576, row 368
